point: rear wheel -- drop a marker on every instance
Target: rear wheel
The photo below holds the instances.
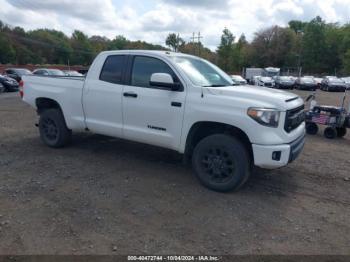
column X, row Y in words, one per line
column 221, row 162
column 311, row 128
column 53, row 129
column 341, row 131
column 330, row 132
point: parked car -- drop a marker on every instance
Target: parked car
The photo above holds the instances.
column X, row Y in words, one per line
column 306, row 83
column 175, row 101
column 72, row 73
column 332, row 83
column 17, row 73
column 8, row 84
column 347, row 82
column 238, row 80
column 265, row 81
column 284, row 82
column 48, row 72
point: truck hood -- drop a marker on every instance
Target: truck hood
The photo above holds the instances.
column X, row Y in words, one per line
column 279, row 99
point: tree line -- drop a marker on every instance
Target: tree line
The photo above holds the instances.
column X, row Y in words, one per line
column 48, row 46
column 316, row 46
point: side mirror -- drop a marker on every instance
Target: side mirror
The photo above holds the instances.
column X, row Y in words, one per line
column 164, row 80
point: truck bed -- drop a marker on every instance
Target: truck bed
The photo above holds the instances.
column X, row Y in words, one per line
column 66, row 90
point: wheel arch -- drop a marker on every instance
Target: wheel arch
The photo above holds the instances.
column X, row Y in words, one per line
column 44, row 103
column 200, row 130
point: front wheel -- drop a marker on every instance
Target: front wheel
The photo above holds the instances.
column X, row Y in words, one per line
column 221, row 162
column 53, row 129
column 330, row 132
column 311, row 128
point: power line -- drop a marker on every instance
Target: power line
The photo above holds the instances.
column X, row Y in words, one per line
column 196, row 40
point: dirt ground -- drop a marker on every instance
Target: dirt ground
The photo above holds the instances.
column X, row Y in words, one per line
column 106, row 196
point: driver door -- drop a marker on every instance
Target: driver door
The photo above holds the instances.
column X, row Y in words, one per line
column 152, row 115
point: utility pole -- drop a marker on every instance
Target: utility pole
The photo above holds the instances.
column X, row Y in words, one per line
column 199, row 43
column 192, row 40
column 196, row 40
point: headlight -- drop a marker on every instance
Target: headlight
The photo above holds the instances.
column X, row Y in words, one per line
column 265, row 116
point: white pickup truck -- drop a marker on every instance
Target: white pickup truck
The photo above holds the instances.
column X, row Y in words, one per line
column 174, row 101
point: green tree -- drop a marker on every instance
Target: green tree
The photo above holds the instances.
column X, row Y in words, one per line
column 7, row 52
column 225, row 50
column 82, row 50
column 174, row 41
column 314, row 46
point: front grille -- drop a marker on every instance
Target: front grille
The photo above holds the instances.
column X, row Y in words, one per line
column 294, row 118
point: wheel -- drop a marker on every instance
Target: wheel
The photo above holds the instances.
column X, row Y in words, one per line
column 2, row 89
column 311, row 128
column 341, row 131
column 330, row 132
column 221, row 163
column 53, row 129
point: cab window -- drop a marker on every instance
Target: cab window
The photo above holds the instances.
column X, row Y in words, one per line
column 112, row 70
column 144, row 67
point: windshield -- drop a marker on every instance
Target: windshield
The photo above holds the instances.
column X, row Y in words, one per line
column 237, row 78
column 23, row 72
column 307, row 79
column 56, row 72
column 336, row 80
column 285, row 78
column 265, row 79
column 201, row 72
column 73, row 73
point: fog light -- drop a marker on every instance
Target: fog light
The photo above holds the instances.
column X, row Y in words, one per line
column 276, row 155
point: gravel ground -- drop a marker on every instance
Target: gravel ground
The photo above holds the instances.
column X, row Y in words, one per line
column 106, row 196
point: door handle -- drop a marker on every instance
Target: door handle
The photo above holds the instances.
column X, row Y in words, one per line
column 176, row 104
column 130, row 94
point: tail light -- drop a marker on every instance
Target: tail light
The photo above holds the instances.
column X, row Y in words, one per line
column 21, row 85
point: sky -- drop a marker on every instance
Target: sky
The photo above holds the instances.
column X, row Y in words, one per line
column 153, row 20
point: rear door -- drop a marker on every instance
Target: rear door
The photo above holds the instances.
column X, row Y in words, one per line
column 102, row 97
column 151, row 114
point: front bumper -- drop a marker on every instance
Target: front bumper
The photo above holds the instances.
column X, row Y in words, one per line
column 307, row 86
column 337, row 88
column 11, row 87
column 285, row 85
column 276, row 156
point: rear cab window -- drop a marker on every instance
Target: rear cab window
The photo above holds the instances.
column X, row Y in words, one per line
column 113, row 69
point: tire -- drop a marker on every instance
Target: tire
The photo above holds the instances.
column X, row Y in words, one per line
column 53, row 129
column 341, row 131
column 2, row 89
column 311, row 128
column 221, row 163
column 330, row 132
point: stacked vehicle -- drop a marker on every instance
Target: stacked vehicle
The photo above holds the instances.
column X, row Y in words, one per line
column 284, row 82
column 8, row 84
column 17, row 73
column 333, row 83
column 306, row 83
